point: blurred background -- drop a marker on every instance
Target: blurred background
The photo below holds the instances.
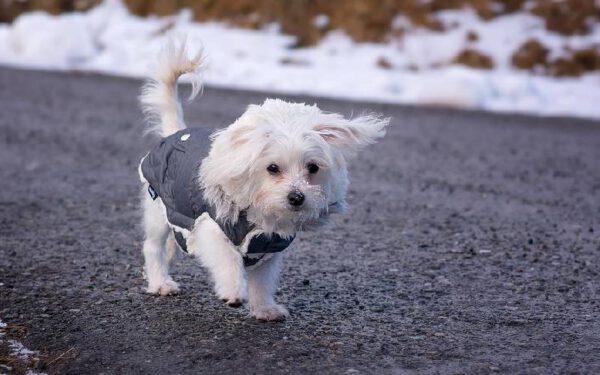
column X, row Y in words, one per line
column 533, row 56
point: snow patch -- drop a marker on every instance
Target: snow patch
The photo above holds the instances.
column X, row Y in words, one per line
column 2, row 326
column 31, row 372
column 417, row 68
column 19, row 350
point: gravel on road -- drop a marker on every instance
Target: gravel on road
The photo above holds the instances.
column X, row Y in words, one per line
column 472, row 246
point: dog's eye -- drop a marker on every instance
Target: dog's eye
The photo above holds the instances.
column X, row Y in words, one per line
column 312, row 168
column 273, row 168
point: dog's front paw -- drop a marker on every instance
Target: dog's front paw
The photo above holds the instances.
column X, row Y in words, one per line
column 167, row 287
column 232, row 297
column 270, row 313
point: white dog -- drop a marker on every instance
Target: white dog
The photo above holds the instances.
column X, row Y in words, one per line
column 236, row 198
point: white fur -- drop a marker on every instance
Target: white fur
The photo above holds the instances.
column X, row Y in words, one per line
column 234, row 177
column 234, row 174
column 210, row 245
column 155, row 250
column 262, row 285
column 159, row 98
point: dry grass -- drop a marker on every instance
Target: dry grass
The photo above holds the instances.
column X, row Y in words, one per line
column 530, row 55
column 368, row 20
column 533, row 55
column 474, row 59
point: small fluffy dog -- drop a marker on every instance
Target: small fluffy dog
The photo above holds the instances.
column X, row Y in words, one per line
column 236, row 198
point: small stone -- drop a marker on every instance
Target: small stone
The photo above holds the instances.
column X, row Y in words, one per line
column 38, row 365
column 443, row 280
column 472, row 36
column 384, row 63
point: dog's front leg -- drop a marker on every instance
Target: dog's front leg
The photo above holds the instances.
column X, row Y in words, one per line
column 209, row 244
column 262, row 282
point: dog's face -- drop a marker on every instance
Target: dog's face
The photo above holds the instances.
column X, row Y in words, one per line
column 298, row 178
column 285, row 163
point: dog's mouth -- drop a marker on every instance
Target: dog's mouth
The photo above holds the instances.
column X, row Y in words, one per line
column 306, row 214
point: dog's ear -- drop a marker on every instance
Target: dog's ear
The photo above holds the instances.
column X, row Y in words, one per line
column 351, row 135
column 232, row 157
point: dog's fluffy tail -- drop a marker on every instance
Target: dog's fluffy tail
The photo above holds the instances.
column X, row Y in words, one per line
column 159, row 98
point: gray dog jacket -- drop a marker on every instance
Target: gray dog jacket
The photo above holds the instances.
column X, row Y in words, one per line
column 171, row 170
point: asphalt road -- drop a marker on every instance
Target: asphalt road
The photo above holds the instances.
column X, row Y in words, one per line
column 472, row 246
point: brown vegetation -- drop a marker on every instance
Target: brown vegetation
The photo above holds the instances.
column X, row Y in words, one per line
column 10, row 9
column 363, row 20
column 534, row 55
column 472, row 36
column 568, row 16
column 530, row 54
column 368, row 20
column 384, row 63
column 577, row 63
column 474, row 59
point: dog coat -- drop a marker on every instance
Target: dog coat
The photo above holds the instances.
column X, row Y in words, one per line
column 172, row 169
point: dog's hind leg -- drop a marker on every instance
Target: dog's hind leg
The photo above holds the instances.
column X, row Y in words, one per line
column 155, row 250
column 171, row 247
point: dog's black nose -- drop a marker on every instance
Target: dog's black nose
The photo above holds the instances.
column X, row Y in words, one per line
column 296, row 198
